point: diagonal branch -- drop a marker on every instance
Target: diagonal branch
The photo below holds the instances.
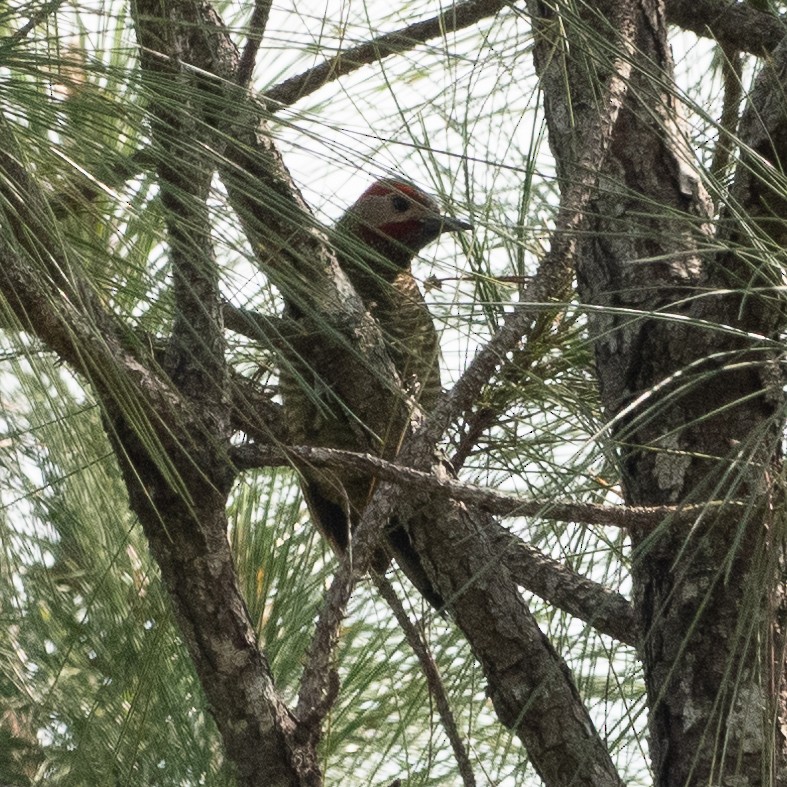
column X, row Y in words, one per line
column 453, row 18
column 737, row 25
column 519, row 661
column 257, row 24
column 646, row 518
column 434, row 681
column 603, row 609
column 36, row 19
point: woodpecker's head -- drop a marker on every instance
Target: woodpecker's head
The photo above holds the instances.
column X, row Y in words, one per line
column 396, row 220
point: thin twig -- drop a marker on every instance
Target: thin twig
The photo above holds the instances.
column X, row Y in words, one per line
column 319, row 678
column 36, row 19
column 732, row 75
column 251, row 455
column 434, row 680
column 257, row 23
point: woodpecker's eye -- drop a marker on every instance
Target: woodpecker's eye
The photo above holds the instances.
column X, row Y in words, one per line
column 400, row 204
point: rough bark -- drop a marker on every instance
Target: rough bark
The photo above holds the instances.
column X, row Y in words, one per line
column 695, row 404
column 530, row 686
column 176, row 483
column 177, row 471
column 741, row 26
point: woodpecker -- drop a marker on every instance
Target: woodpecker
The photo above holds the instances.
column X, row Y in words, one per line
column 376, row 241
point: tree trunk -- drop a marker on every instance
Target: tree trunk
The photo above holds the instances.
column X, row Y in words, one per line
column 689, row 384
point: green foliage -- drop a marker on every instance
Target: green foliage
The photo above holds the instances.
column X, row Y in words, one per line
column 95, row 685
column 109, row 693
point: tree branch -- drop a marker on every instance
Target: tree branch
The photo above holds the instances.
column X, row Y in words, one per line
column 36, row 19
column 736, row 25
column 453, row 18
column 732, row 75
column 275, row 332
column 257, row 24
column 183, row 141
column 604, row 610
column 434, row 681
column 648, row 518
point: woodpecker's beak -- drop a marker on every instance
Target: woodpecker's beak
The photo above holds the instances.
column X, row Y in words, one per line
column 454, row 225
column 437, row 225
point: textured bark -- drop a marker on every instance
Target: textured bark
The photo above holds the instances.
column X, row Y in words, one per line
column 176, row 482
column 740, row 26
column 530, row 685
column 696, row 407
column 180, row 496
